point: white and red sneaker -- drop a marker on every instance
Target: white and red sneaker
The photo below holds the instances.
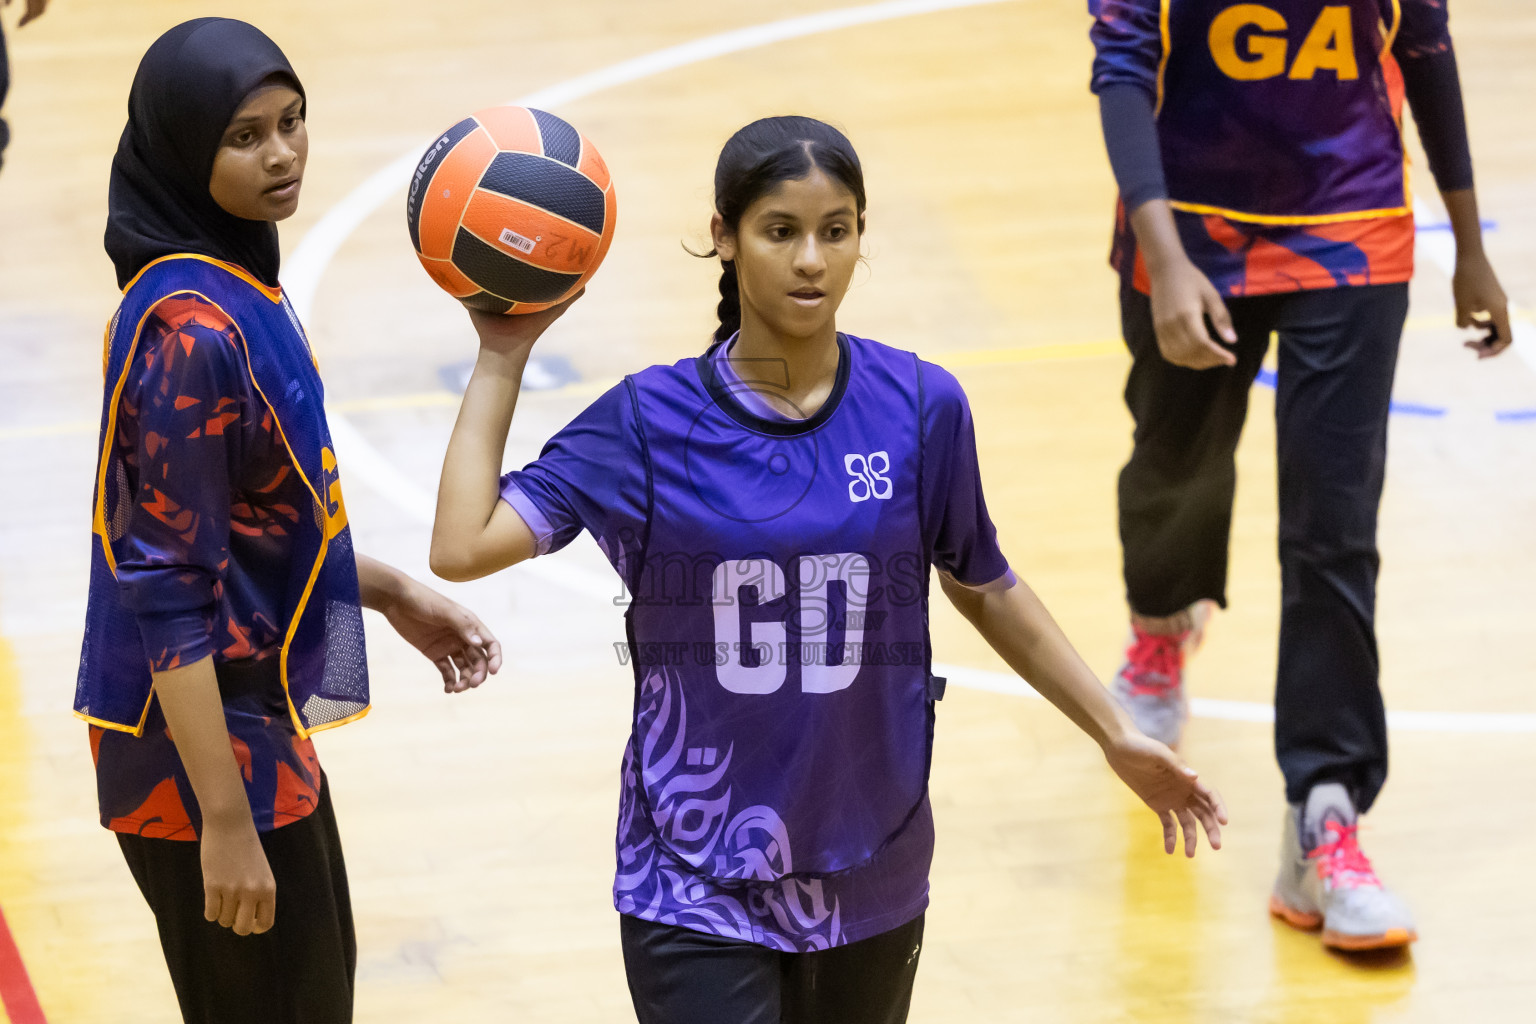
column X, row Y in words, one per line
column 1327, row 882
column 1150, row 682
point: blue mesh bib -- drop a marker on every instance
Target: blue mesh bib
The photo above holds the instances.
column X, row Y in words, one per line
column 324, row 670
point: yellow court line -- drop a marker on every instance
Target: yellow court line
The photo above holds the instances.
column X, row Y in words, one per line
column 592, row 388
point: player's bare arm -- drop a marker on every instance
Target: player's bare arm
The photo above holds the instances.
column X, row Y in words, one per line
column 450, row 635
column 1182, row 297
column 238, row 889
column 475, row 533
column 1020, row 629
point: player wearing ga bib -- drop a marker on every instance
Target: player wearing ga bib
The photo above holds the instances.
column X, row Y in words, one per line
column 775, row 784
column 1264, row 195
column 1279, row 132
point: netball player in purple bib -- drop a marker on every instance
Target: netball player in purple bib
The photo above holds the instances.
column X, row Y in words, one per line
column 774, row 506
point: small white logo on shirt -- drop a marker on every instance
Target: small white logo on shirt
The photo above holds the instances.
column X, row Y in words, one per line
column 869, row 479
column 517, row 241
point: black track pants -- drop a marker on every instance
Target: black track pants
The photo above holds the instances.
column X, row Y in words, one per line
column 1337, row 354
column 299, row 972
column 678, row 976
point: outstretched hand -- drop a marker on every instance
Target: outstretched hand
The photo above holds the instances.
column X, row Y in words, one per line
column 1171, row 788
column 449, row 634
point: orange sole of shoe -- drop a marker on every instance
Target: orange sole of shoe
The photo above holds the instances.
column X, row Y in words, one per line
column 1295, row 918
column 1336, row 940
column 1390, row 939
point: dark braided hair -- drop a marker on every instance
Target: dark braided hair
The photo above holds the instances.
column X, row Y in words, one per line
column 759, row 158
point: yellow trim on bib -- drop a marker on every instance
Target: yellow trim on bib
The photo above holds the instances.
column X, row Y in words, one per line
column 1397, row 22
column 331, row 725
column 99, row 514
column 135, row 731
column 1273, row 220
column 273, row 294
column 1162, row 63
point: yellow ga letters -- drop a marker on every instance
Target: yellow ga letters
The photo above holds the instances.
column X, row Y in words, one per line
column 1329, row 46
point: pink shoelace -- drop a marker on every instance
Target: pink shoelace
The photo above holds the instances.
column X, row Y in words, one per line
column 1340, row 860
column 1155, row 662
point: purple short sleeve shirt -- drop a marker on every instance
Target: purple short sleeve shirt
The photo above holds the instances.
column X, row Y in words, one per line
column 774, row 789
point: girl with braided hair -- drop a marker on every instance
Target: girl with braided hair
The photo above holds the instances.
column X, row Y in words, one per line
column 775, row 505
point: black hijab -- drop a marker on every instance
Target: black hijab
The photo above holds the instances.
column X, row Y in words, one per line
column 188, row 86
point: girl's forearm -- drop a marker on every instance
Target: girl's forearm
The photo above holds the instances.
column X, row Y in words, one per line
column 1461, row 209
column 379, row 584
column 470, row 485
column 1157, row 235
column 1020, row 629
column 189, row 696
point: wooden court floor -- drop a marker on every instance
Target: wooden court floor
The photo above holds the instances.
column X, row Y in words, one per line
column 479, row 828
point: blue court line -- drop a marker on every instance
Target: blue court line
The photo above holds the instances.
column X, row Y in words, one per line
column 1414, row 409
column 1445, row 225
column 1266, row 377
column 1516, row 416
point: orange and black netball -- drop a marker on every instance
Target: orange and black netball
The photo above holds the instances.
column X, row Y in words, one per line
column 511, row 210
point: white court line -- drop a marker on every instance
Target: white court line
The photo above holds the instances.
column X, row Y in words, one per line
column 1249, row 711
column 307, row 265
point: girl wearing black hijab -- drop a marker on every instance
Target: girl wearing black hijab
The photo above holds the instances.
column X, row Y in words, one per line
column 224, row 623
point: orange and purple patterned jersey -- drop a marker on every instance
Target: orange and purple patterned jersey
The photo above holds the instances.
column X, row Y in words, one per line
column 1279, row 125
column 1242, row 258
column 203, row 564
